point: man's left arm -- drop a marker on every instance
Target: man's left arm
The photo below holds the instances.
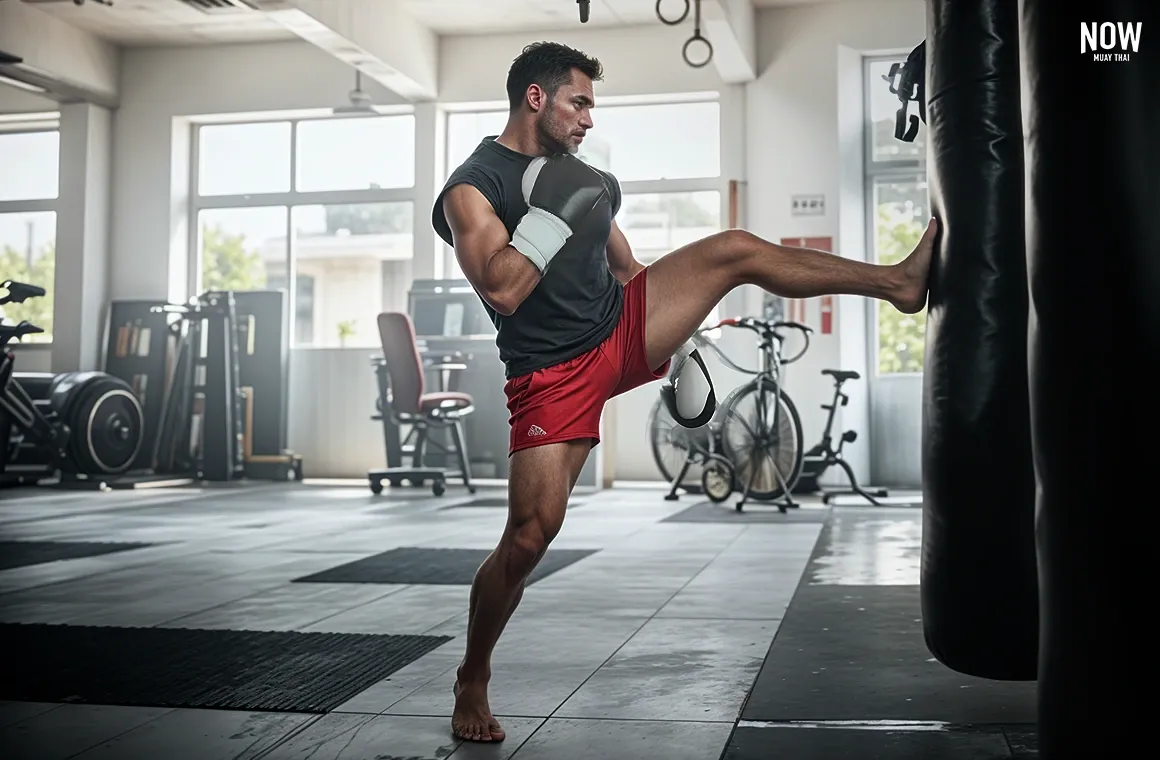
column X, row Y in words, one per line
column 621, row 262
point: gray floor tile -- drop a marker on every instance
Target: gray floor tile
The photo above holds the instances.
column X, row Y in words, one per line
column 199, row 735
column 14, row 712
column 692, row 670
column 411, row 609
column 406, row 681
column 71, row 729
column 291, row 607
column 389, row 737
column 524, row 691
column 563, row 739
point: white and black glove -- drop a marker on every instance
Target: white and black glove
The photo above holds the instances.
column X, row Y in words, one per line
column 560, row 191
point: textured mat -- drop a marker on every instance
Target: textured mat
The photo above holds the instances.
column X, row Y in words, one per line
column 857, row 653
column 916, row 742
column 168, row 667
column 433, row 567
column 708, row 512
column 25, row 553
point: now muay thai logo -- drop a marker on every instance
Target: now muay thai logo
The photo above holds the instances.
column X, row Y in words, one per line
column 1110, row 42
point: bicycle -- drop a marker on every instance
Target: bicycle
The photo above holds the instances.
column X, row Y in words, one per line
column 727, row 449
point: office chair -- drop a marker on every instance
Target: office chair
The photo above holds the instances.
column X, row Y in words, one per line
column 404, row 400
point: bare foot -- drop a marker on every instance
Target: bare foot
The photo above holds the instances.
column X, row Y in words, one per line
column 472, row 719
column 914, row 273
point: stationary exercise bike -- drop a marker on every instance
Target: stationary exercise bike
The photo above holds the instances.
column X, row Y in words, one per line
column 823, row 455
column 82, row 425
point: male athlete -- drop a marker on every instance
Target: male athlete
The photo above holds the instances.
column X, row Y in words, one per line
column 580, row 320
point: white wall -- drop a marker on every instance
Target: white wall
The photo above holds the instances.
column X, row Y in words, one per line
column 799, row 141
column 13, row 100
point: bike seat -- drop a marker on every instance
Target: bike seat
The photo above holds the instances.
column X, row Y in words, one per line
column 841, row 375
column 18, row 292
column 9, row 332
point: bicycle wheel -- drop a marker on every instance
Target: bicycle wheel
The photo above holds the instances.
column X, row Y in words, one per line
column 755, row 447
column 670, row 445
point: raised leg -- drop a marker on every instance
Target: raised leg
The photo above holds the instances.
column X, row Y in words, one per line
column 540, row 481
column 684, row 286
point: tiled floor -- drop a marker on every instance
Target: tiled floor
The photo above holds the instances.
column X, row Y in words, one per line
column 646, row 648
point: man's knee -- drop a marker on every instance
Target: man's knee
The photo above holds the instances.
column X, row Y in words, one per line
column 525, row 545
column 732, row 250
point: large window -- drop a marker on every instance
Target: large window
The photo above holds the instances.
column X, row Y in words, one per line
column 319, row 208
column 667, row 157
column 898, row 207
column 30, row 155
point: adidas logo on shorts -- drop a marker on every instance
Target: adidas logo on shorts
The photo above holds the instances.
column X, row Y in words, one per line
column 536, row 430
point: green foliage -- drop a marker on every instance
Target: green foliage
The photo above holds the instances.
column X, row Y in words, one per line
column 370, row 218
column 38, row 311
column 901, row 337
column 346, row 329
column 681, row 209
column 226, row 262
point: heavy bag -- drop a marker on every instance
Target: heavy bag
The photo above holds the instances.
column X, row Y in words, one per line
column 1092, row 125
column 978, row 578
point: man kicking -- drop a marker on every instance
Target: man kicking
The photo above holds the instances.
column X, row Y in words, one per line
column 580, row 320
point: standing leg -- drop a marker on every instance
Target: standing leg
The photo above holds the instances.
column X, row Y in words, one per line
column 684, row 286
column 539, row 484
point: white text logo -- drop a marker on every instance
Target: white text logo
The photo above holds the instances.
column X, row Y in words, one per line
column 1121, row 36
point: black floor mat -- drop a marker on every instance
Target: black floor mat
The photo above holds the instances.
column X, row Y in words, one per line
column 25, row 553
column 857, row 652
column 434, row 567
column 820, row 742
column 708, row 512
column 269, row 671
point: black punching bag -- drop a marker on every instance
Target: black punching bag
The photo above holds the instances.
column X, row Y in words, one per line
column 1092, row 123
column 979, row 587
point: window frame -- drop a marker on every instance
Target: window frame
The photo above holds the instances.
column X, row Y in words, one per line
column 23, row 124
column 290, row 199
column 901, row 170
column 632, row 187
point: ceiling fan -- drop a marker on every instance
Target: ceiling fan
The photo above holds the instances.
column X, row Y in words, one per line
column 360, row 102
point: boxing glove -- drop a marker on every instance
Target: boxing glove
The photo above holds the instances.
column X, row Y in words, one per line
column 560, row 191
column 687, row 392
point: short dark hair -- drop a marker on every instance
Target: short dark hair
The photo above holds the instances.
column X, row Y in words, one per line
column 549, row 65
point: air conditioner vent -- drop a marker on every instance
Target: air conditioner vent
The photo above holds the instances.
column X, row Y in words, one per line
column 219, row 7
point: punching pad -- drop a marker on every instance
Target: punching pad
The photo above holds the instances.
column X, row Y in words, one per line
column 979, row 588
column 1092, row 124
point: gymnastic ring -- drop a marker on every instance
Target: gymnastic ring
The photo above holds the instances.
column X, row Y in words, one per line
column 685, row 51
column 685, row 15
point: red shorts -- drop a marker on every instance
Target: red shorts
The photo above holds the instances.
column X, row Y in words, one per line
column 564, row 402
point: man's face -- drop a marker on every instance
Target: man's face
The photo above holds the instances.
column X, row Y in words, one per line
column 564, row 118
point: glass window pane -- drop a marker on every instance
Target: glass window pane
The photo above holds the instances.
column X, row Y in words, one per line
column 465, row 130
column 242, row 248
column 356, row 260
column 356, row 153
column 28, row 254
column 241, row 159
column 656, row 224
column 656, row 141
column 31, row 162
column 901, row 209
column 883, row 108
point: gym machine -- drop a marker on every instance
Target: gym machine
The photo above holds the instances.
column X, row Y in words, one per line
column 823, row 455
column 81, row 428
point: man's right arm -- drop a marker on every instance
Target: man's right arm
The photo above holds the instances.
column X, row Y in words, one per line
column 503, row 276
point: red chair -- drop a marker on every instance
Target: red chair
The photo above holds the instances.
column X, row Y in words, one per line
column 404, row 400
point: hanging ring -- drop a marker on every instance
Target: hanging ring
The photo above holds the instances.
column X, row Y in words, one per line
column 708, row 47
column 676, row 21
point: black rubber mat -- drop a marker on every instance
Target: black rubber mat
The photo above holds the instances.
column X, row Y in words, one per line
column 854, row 652
column 270, row 671
column 708, row 512
column 25, row 553
column 433, row 567
column 916, row 742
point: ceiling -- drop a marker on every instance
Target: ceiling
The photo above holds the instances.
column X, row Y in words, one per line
column 138, row 23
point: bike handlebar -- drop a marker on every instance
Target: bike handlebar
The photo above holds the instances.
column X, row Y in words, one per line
column 767, row 329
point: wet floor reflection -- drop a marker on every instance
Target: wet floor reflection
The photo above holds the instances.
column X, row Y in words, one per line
column 870, row 547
